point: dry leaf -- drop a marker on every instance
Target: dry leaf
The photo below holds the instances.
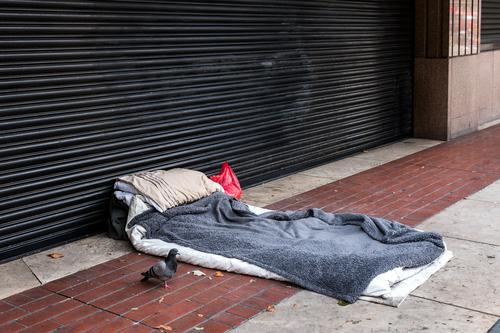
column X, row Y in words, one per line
column 218, row 274
column 271, row 308
column 295, row 305
column 56, row 255
column 198, row 328
column 161, row 299
column 198, row 273
column 164, row 328
column 200, row 315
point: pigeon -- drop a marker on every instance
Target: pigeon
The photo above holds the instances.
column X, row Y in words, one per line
column 163, row 270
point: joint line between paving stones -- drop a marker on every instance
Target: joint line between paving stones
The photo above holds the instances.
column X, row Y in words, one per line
column 101, row 309
column 470, row 240
column 141, row 322
column 213, row 317
column 447, row 168
column 36, row 277
column 481, row 200
column 457, row 306
column 95, row 306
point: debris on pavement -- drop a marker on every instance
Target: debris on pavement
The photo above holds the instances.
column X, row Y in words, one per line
column 271, row 308
column 56, row 255
column 197, row 272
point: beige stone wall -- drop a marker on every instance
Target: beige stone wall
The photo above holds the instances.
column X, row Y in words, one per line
column 474, row 98
column 456, row 96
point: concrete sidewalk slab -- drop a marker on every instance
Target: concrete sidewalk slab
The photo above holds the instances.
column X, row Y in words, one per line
column 282, row 188
column 16, row 277
column 78, row 255
column 342, row 169
column 472, row 220
column 397, row 150
column 490, row 194
column 311, row 312
column 469, row 280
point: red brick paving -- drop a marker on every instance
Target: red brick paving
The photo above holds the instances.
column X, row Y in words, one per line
column 110, row 297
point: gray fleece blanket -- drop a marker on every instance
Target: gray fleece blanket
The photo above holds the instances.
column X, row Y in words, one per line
column 332, row 254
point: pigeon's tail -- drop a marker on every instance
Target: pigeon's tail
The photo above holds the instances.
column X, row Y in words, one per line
column 146, row 276
column 150, row 274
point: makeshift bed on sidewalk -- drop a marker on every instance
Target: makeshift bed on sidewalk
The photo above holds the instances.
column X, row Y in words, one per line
column 347, row 256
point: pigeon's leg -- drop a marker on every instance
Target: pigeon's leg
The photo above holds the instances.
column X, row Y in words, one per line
column 165, row 285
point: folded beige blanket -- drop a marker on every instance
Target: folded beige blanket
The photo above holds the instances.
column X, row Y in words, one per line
column 173, row 187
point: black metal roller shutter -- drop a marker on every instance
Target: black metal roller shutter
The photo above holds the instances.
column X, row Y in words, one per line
column 91, row 90
column 490, row 24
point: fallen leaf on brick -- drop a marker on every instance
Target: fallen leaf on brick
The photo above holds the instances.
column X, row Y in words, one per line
column 252, row 280
column 164, row 328
column 200, row 315
column 218, row 274
column 198, row 328
column 161, row 299
column 271, row 308
column 198, row 273
column 56, row 255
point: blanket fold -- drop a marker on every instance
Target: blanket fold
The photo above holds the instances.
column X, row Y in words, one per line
column 332, row 254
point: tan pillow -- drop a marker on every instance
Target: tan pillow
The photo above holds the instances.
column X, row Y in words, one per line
column 173, row 187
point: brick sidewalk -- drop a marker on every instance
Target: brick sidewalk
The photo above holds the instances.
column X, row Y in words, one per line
column 110, row 298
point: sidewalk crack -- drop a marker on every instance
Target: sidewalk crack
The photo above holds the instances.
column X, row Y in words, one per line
column 36, row 277
column 457, row 306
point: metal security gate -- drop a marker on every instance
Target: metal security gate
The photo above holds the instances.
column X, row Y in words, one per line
column 91, row 90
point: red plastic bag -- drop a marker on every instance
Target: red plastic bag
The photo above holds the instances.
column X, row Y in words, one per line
column 227, row 178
